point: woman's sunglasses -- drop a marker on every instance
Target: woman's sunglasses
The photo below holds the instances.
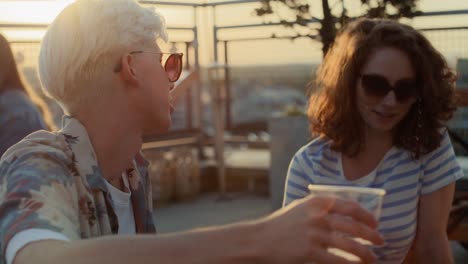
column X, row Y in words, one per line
column 173, row 65
column 378, row 86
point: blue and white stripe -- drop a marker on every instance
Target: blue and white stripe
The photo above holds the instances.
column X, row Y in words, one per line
column 404, row 179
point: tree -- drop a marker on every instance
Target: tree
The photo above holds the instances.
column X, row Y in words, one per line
column 332, row 21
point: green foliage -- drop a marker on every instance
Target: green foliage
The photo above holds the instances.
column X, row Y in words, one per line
column 405, row 8
column 333, row 21
column 294, row 110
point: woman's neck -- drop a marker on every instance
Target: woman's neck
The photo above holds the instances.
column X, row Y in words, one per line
column 378, row 141
column 367, row 159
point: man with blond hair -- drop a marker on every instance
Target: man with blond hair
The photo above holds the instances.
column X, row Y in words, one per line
column 81, row 195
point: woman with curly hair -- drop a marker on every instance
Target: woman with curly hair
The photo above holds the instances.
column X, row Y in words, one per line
column 21, row 110
column 379, row 107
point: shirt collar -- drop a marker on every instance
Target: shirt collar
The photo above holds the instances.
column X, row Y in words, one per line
column 84, row 156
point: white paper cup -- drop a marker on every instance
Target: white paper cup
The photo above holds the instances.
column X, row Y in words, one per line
column 369, row 198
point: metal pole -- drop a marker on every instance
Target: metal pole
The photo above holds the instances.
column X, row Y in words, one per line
column 218, row 122
column 197, row 92
column 227, row 86
column 218, row 114
column 173, row 3
column 195, row 36
column 188, row 98
column 197, row 86
column 234, row 2
column 215, row 37
column 220, row 142
column 187, row 61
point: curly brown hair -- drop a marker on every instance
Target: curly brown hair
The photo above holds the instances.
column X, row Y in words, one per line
column 332, row 108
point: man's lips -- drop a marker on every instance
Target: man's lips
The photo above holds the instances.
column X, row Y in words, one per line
column 171, row 103
column 171, row 107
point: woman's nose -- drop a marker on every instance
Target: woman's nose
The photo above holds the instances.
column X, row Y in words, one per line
column 390, row 98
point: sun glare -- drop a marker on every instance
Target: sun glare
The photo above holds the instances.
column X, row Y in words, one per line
column 28, row 12
column 44, row 11
column 31, row 11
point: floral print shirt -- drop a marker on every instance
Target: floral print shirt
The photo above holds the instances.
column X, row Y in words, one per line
column 53, row 181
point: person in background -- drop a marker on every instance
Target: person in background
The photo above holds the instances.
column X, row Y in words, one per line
column 380, row 105
column 21, row 110
column 82, row 194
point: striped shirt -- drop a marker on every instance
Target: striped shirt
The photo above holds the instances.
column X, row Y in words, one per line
column 404, row 179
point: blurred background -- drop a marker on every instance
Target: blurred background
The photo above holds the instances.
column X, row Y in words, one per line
column 239, row 115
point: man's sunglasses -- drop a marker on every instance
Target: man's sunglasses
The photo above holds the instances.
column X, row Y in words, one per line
column 378, row 86
column 173, row 65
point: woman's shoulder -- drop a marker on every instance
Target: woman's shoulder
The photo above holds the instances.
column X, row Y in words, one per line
column 15, row 101
column 315, row 147
column 445, row 145
column 16, row 105
column 13, row 95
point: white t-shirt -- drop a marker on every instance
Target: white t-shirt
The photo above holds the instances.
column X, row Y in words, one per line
column 123, row 209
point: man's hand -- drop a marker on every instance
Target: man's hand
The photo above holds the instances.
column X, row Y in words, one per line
column 302, row 231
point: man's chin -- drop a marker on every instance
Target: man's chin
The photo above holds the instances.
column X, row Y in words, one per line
column 159, row 130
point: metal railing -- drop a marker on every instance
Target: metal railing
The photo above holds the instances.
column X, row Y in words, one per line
column 443, row 38
column 187, row 115
column 452, row 38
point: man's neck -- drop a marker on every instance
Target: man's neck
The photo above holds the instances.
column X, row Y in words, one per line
column 115, row 139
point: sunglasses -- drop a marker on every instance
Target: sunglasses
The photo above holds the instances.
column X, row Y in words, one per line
column 378, row 86
column 173, row 65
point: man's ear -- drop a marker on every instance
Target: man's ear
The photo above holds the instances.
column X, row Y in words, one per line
column 128, row 71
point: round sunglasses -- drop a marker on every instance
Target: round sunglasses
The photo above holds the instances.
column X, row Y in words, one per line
column 172, row 66
column 378, row 86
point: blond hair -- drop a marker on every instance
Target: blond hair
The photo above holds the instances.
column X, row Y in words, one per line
column 85, row 40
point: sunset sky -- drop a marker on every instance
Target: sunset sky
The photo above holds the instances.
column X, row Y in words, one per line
column 44, row 11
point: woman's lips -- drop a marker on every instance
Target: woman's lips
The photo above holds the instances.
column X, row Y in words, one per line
column 385, row 115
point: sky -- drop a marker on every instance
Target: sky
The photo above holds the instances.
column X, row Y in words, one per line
column 240, row 52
